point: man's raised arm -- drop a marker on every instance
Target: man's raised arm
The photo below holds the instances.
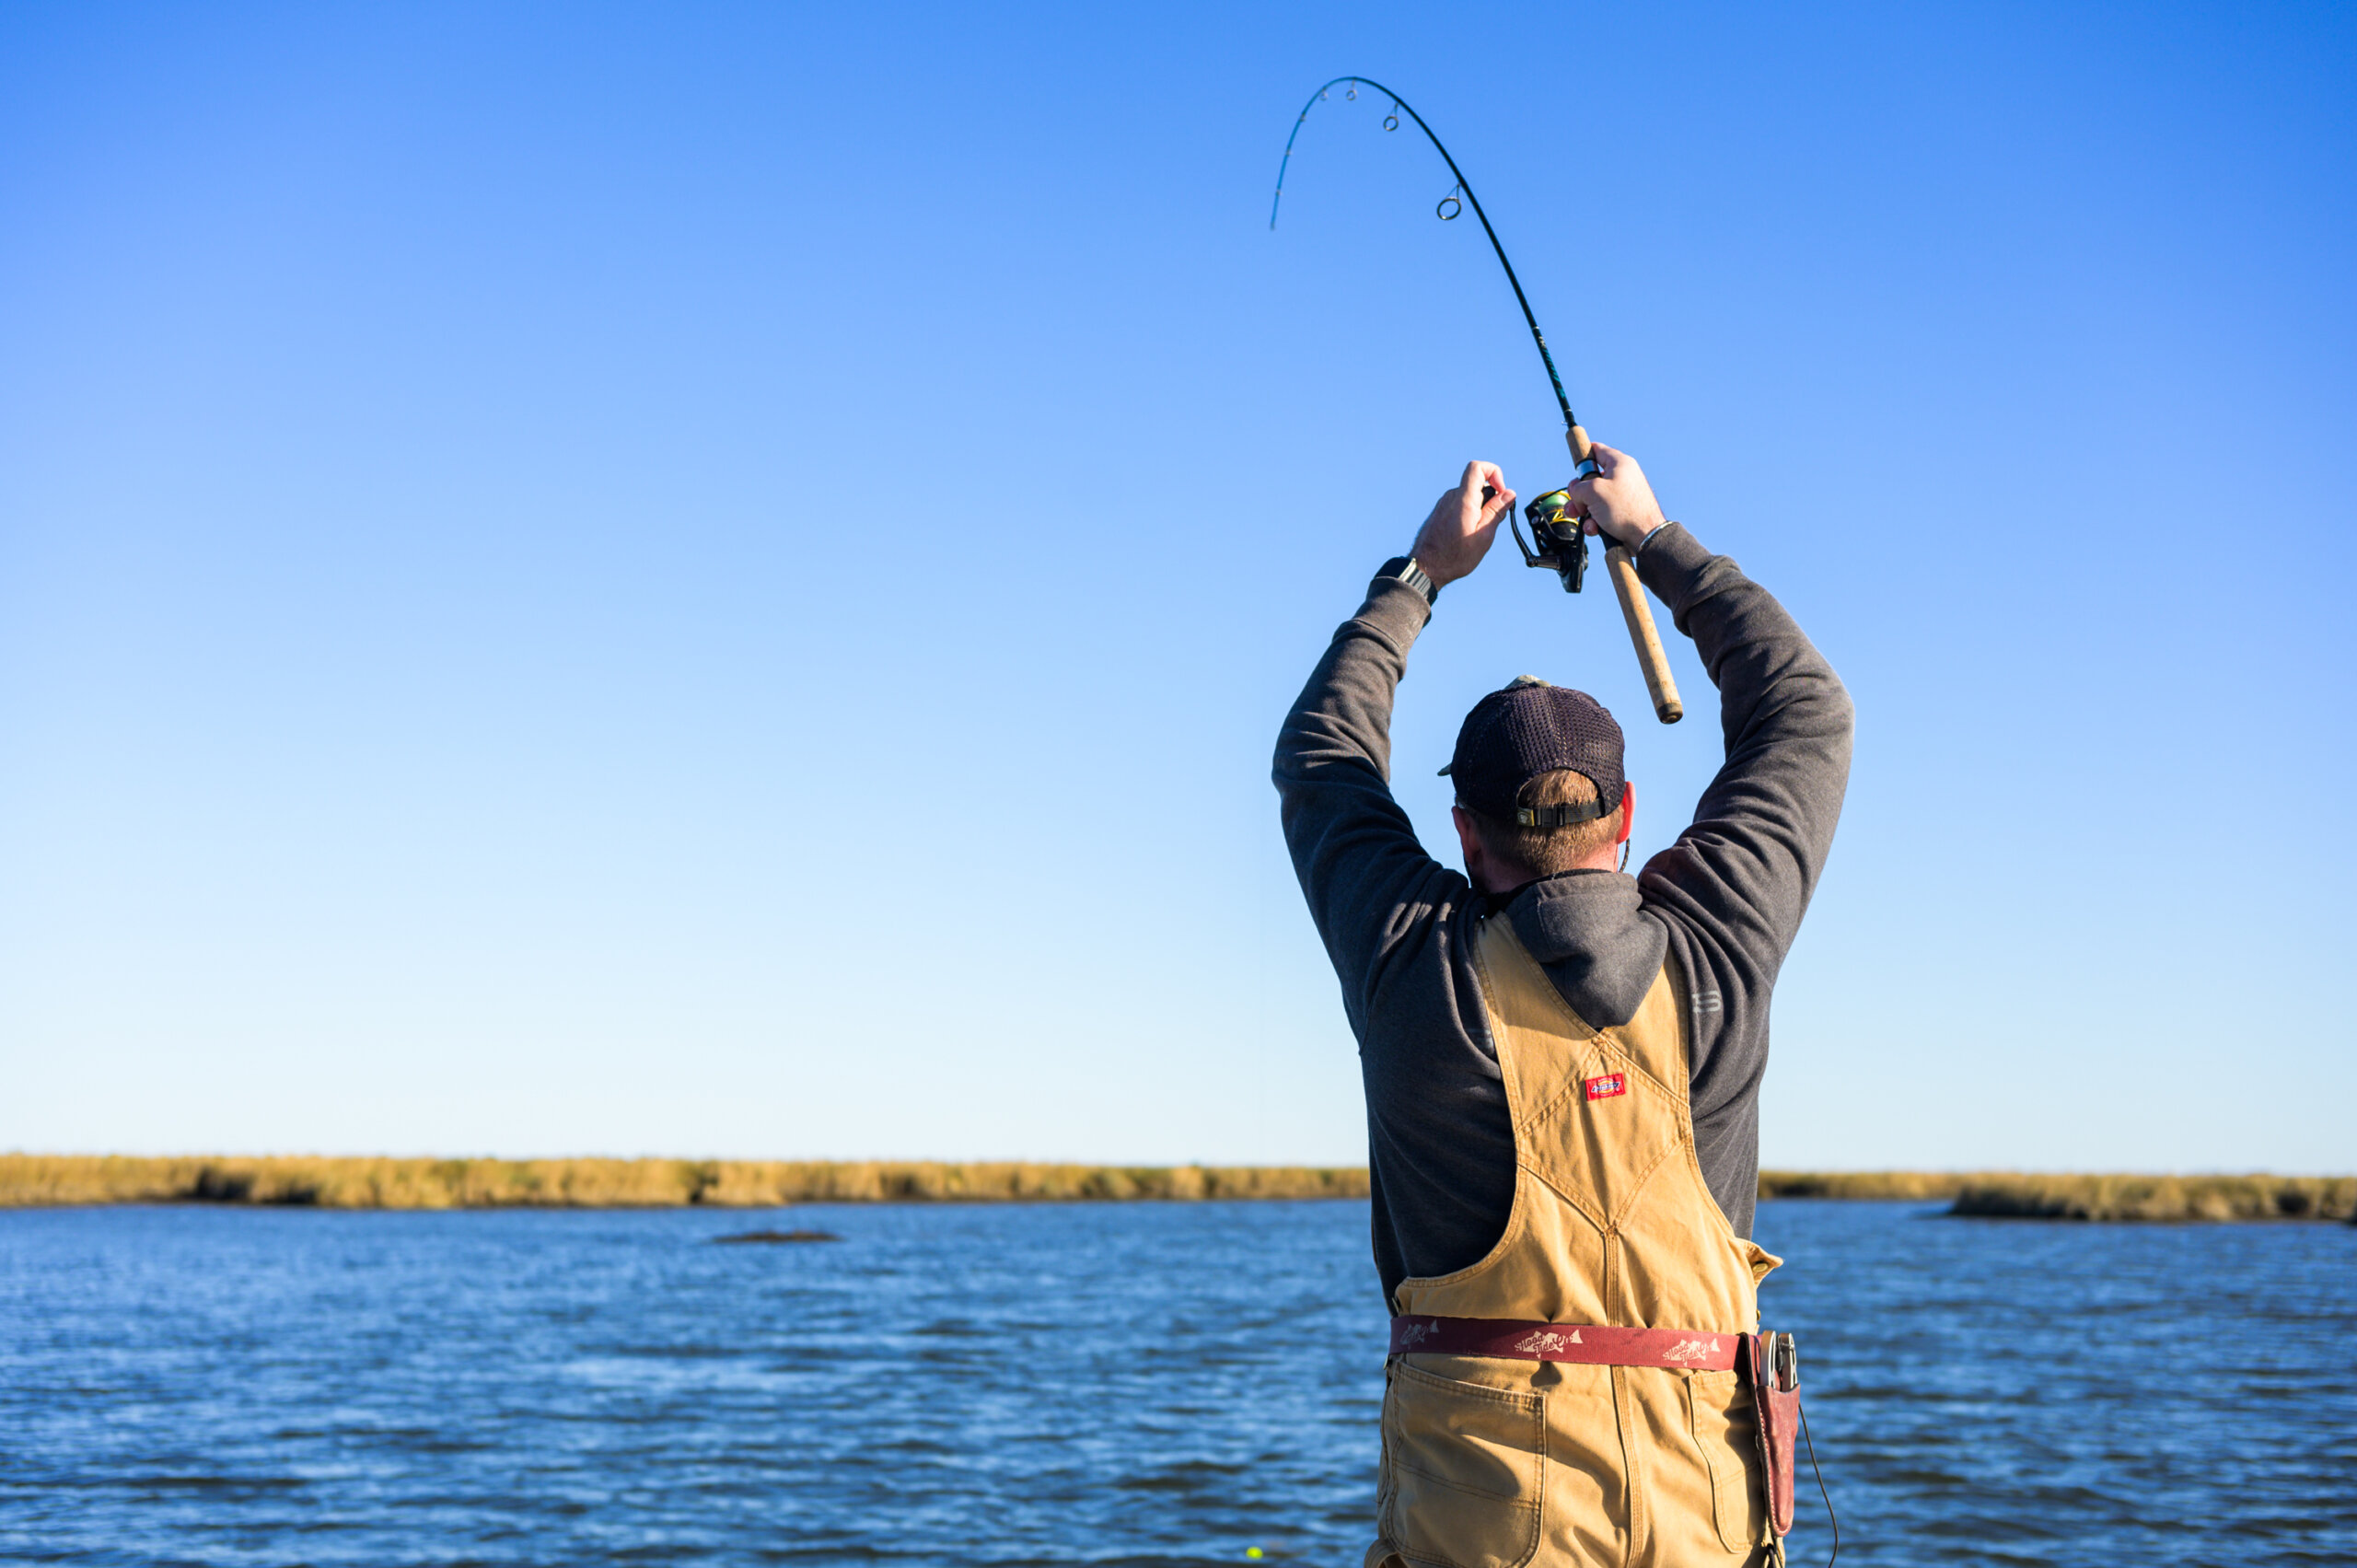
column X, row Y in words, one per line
column 1367, row 880
column 1745, row 870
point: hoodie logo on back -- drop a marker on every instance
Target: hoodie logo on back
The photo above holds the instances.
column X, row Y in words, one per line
column 1606, row 1086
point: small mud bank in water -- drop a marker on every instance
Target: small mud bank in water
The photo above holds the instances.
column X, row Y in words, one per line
column 764, row 1236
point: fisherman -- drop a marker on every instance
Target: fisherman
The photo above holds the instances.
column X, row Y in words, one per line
column 1563, row 1063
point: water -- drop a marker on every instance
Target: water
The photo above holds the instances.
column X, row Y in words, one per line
column 1136, row 1384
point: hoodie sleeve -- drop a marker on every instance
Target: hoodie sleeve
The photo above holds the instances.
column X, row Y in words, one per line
column 1747, row 865
column 1732, row 889
column 1372, row 891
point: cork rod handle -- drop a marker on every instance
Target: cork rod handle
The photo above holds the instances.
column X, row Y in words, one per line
column 1659, row 684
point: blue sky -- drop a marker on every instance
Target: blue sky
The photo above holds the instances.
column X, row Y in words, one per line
column 720, row 580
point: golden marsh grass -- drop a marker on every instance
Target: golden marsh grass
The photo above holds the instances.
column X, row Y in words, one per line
column 370, row 1182
column 2019, row 1195
column 338, row 1182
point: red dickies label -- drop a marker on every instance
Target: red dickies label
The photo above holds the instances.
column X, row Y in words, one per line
column 1605, row 1087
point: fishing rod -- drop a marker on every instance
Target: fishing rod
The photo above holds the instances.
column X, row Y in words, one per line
column 1553, row 523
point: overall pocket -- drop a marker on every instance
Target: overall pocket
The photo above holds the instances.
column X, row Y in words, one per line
column 1719, row 1411
column 1466, row 1470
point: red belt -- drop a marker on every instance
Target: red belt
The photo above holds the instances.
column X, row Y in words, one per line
column 1594, row 1344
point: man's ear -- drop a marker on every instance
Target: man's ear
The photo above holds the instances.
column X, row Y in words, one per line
column 1476, row 862
column 1627, row 810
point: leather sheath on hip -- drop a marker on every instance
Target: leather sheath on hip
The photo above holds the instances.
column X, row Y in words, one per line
column 1496, row 1461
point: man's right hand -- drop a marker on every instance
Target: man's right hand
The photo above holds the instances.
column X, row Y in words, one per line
column 1457, row 534
column 1619, row 502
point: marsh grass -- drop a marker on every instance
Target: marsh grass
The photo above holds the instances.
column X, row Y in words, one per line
column 2160, row 1198
column 2018, row 1195
column 330, row 1182
column 333, row 1182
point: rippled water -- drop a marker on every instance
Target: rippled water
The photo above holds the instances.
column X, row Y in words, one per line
column 1102, row 1384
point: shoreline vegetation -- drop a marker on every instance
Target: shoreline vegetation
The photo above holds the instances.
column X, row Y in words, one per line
column 373, row 1182
column 2002, row 1194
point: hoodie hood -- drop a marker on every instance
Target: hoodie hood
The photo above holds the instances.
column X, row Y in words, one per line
column 1589, row 932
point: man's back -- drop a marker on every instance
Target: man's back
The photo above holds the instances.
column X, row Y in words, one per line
column 1721, row 904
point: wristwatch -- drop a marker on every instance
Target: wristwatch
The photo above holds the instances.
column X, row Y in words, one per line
column 1404, row 569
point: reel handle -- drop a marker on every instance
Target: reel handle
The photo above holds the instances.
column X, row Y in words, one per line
column 1660, row 685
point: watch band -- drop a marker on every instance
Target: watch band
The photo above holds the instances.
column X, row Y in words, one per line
column 1404, row 569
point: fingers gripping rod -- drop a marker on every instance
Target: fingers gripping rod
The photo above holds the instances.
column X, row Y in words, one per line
column 1659, row 685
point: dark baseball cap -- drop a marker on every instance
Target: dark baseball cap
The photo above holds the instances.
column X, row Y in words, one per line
column 1528, row 728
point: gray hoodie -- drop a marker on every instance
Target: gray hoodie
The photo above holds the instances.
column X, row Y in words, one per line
column 1722, row 903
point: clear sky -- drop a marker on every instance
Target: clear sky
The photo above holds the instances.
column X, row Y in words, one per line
column 721, row 579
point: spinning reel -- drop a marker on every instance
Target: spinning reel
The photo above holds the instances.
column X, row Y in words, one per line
column 1562, row 533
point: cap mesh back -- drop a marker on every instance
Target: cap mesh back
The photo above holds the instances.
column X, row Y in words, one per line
column 1529, row 728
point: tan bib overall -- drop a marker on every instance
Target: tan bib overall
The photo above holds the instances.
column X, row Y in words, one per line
column 1490, row 1463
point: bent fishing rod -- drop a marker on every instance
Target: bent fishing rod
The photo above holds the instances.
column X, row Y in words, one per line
column 1558, row 528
